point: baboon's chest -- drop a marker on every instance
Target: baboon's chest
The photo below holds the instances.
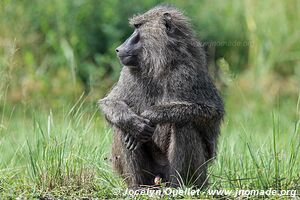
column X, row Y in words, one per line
column 145, row 97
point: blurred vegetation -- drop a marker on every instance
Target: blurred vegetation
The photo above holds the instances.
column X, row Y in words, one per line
column 52, row 51
column 57, row 59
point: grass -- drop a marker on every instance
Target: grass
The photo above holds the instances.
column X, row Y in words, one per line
column 62, row 154
column 55, row 155
column 52, row 146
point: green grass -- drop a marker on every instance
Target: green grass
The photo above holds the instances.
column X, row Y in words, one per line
column 56, row 155
column 62, row 153
column 54, row 143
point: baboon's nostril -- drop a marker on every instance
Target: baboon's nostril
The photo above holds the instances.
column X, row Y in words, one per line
column 117, row 50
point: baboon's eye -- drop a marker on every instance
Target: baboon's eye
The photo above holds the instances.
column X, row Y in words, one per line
column 137, row 25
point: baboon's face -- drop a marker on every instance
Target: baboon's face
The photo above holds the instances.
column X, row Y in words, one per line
column 147, row 41
column 129, row 50
column 157, row 33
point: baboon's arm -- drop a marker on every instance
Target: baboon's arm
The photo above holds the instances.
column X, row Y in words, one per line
column 119, row 114
column 189, row 96
column 181, row 112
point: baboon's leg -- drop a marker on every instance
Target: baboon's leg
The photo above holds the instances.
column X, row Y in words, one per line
column 186, row 157
column 116, row 153
column 134, row 166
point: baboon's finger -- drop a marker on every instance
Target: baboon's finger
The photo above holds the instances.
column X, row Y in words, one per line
column 143, row 140
column 149, row 133
column 148, row 128
column 148, row 122
column 137, row 146
column 133, row 145
column 131, row 140
column 127, row 136
column 145, row 137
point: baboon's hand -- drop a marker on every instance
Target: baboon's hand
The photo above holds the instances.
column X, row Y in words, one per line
column 142, row 129
column 131, row 142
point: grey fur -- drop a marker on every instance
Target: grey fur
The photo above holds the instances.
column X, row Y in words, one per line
column 167, row 115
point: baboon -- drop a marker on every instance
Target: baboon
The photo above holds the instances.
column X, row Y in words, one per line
column 165, row 110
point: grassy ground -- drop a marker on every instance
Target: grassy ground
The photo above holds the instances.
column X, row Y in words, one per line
column 62, row 153
column 52, row 148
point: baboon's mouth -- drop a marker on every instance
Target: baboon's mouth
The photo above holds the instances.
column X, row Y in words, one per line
column 125, row 56
column 129, row 60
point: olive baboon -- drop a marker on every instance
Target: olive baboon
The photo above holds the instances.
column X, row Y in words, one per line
column 165, row 110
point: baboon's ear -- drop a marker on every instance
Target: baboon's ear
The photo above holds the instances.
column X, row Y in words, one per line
column 168, row 22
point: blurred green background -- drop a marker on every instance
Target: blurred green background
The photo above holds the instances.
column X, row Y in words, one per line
column 57, row 59
column 52, row 51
